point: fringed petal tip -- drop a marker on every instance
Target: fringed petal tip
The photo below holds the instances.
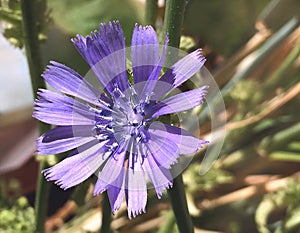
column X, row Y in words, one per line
column 99, row 191
column 34, row 113
column 49, row 176
column 79, row 39
column 42, row 90
column 39, row 142
column 47, row 172
column 55, row 63
column 62, row 185
column 199, row 55
column 40, row 95
column 172, row 162
column 151, row 30
column 142, row 28
column 111, row 24
column 133, row 213
column 201, row 144
column 204, row 88
column 164, row 187
column 52, row 64
column 114, row 210
column 167, row 40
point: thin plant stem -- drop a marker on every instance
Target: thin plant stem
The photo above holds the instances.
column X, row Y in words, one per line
column 106, row 214
column 173, row 26
column 179, row 204
column 32, row 49
column 31, row 43
column 173, row 21
column 41, row 199
column 151, row 12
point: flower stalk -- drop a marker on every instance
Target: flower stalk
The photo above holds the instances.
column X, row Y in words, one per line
column 151, row 12
column 173, row 21
column 172, row 26
column 179, row 204
column 32, row 49
column 106, row 214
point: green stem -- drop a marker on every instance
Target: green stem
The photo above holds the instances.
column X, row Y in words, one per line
column 32, row 48
column 106, row 214
column 173, row 21
column 151, row 12
column 41, row 200
column 31, row 43
column 172, row 26
column 179, row 204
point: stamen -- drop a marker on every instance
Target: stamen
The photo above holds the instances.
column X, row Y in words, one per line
column 112, row 146
column 108, row 118
column 102, row 137
column 148, row 97
column 135, row 123
column 104, row 103
column 118, row 91
column 133, row 95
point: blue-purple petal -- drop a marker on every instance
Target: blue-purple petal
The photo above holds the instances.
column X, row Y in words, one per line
column 136, row 184
column 54, row 108
column 70, row 82
column 159, row 176
column 75, row 169
column 105, row 52
column 152, row 80
column 180, row 102
column 183, row 70
column 116, row 193
column 161, row 147
column 136, row 193
column 187, row 143
column 64, row 138
column 144, row 52
column 112, row 133
column 63, row 132
column 113, row 168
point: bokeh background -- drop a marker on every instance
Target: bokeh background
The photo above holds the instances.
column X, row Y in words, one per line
column 252, row 50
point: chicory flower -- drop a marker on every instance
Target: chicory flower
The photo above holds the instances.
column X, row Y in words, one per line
column 114, row 133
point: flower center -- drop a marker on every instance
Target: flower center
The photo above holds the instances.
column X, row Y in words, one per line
column 127, row 119
column 135, row 118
